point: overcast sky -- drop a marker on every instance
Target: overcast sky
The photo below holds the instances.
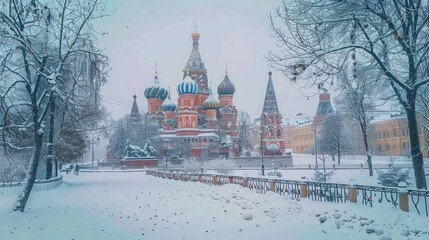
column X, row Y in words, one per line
column 144, row 32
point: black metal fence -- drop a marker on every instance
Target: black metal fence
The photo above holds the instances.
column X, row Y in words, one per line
column 290, row 188
column 418, row 200
column 370, row 195
column 328, row 192
column 259, row 185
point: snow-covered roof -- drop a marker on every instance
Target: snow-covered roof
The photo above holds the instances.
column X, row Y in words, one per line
column 386, row 118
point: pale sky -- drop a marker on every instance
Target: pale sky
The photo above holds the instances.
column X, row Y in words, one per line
column 234, row 31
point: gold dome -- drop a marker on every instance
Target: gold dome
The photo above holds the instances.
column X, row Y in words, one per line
column 195, row 35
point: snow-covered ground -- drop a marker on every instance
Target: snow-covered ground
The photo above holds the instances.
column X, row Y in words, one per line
column 131, row 205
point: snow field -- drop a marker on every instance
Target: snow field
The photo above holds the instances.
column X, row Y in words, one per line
column 116, row 206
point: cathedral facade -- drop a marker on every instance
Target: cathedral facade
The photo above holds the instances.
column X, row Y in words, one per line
column 198, row 118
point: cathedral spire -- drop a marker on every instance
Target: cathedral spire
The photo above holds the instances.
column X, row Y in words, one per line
column 156, row 70
column 195, row 62
column 135, row 114
column 195, row 68
column 270, row 102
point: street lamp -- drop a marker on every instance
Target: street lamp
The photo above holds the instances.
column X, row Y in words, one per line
column 261, row 132
column 315, row 135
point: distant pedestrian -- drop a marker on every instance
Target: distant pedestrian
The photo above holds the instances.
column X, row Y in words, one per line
column 76, row 169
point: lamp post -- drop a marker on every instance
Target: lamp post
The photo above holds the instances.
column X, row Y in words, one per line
column 261, row 132
column 315, row 142
column 315, row 135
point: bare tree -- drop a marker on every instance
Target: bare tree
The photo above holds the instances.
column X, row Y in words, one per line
column 357, row 88
column 244, row 122
column 335, row 137
column 40, row 39
column 315, row 42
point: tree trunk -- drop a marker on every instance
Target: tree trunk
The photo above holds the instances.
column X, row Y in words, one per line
column 50, row 158
column 31, row 175
column 369, row 159
column 339, row 156
column 416, row 153
column 367, row 149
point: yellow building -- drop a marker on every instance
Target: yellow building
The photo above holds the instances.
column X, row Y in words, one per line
column 391, row 137
column 302, row 138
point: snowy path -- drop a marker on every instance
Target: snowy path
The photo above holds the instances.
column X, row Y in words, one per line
column 135, row 206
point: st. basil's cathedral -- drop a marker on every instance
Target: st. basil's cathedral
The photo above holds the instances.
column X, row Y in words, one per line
column 199, row 118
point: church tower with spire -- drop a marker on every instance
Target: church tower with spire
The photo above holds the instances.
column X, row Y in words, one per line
column 187, row 114
column 135, row 117
column 155, row 95
column 324, row 107
column 211, row 106
column 271, row 123
column 196, row 69
column 228, row 112
column 169, row 108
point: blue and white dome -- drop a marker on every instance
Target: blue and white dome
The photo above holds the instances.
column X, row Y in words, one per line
column 187, row 86
column 156, row 90
column 168, row 105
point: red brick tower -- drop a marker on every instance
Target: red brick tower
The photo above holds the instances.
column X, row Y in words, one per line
column 155, row 95
column 271, row 123
column 324, row 107
column 211, row 106
column 187, row 114
column 168, row 108
column 228, row 112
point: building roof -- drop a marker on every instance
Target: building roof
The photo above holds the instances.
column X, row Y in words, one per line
column 156, row 90
column 270, row 101
column 226, row 86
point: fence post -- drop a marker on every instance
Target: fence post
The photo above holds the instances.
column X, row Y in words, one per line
column 200, row 178
column 403, row 197
column 304, row 189
column 245, row 183
column 272, row 186
column 231, row 179
column 214, row 180
column 353, row 193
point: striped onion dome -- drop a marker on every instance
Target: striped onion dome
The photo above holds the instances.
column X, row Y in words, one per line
column 187, row 86
column 226, row 86
column 211, row 102
column 168, row 105
column 156, row 90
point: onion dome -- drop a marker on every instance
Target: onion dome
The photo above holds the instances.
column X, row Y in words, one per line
column 168, row 105
column 156, row 90
column 187, row 86
column 226, row 86
column 211, row 102
column 196, row 35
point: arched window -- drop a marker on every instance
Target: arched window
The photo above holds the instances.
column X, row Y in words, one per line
column 387, row 147
column 279, row 132
column 271, row 132
column 378, row 147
